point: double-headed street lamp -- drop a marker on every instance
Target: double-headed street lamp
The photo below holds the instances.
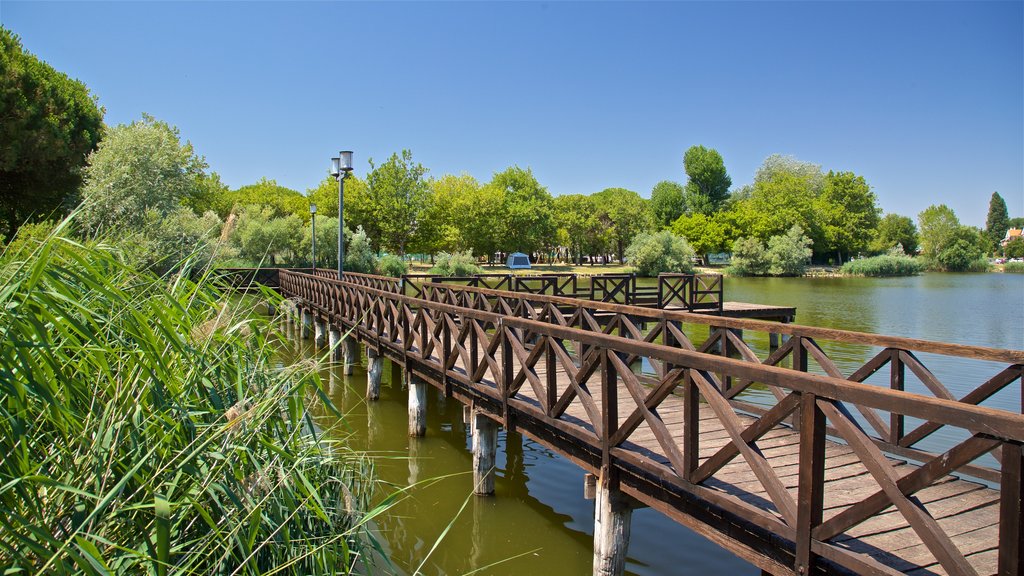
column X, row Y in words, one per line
column 312, row 214
column 340, row 167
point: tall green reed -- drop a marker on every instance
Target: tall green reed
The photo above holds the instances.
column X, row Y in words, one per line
column 144, row 429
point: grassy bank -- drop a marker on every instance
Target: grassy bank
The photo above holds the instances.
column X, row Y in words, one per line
column 144, row 429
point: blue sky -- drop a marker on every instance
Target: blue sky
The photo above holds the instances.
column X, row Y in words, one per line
column 924, row 99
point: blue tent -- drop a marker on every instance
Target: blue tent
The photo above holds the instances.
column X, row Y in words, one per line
column 518, row 260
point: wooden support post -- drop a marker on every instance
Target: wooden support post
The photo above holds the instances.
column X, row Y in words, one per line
column 811, row 480
column 334, row 342
column 376, row 367
column 417, row 406
column 773, row 341
column 320, row 332
column 1011, row 511
column 351, row 349
column 307, row 322
column 485, row 447
column 613, row 515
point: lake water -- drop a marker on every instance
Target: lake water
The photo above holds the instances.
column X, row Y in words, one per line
column 538, row 521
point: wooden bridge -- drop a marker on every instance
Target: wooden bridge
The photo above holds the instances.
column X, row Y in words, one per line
column 780, row 458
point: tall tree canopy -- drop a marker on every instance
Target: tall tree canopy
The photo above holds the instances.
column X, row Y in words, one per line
column 138, row 167
column 998, row 221
column 668, row 202
column 708, row 185
column 625, row 214
column 847, row 214
column 49, row 124
column 938, row 225
column 396, row 193
column 894, row 229
column 529, row 222
column 438, row 229
column 281, row 200
column 579, row 228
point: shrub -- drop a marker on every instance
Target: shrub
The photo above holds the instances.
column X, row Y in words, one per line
column 652, row 254
column 455, row 264
column 789, row 252
column 147, row 430
column 180, row 240
column 962, row 256
column 1014, row 267
column 1014, row 248
column 748, row 258
column 359, row 255
column 392, row 265
column 885, row 265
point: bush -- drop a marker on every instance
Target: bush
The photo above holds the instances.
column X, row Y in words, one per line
column 1014, row 267
column 1014, row 248
column 962, row 256
column 748, row 258
column 789, row 252
column 180, row 240
column 652, row 254
column 392, row 265
column 885, row 265
column 146, row 429
column 456, row 264
column 359, row 255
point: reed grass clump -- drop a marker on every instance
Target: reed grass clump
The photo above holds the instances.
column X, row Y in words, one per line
column 1014, row 267
column 144, row 429
column 884, row 265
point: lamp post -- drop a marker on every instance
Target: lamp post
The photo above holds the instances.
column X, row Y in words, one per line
column 312, row 214
column 340, row 167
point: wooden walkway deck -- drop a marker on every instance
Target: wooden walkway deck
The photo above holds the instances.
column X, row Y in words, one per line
column 797, row 485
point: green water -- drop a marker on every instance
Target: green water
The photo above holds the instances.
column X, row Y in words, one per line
column 538, row 521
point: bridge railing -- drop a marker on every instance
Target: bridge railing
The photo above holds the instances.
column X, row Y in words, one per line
column 529, row 360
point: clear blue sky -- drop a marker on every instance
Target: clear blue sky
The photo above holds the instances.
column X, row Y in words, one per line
column 924, row 99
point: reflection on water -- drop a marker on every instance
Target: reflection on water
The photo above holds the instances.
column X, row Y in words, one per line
column 538, row 521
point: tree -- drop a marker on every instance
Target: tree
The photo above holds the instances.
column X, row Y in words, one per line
column 708, row 184
column 480, row 220
column 998, row 221
column 49, row 124
column 281, row 200
column 777, row 204
column 652, row 254
column 778, row 165
column 964, row 250
column 789, row 252
column 438, row 228
column 625, row 214
column 847, row 214
column 706, row 234
column 1014, row 248
column 529, row 223
column 667, row 202
column 895, row 230
column 1017, row 222
column 937, row 225
column 262, row 238
column 748, row 258
column 396, row 194
column 138, row 167
column 579, row 228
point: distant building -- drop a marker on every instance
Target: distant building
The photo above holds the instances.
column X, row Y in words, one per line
column 1011, row 234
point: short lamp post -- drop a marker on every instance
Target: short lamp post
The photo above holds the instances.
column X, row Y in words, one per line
column 312, row 215
column 340, row 167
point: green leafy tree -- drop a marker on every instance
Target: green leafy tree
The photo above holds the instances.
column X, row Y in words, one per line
column 789, row 252
column 708, row 184
column 49, row 124
column 776, row 205
column 652, row 254
column 359, row 254
column 529, row 223
column 481, row 219
column 625, row 214
column 847, row 214
column 579, row 227
column 456, row 264
column 937, row 225
column 262, row 238
column 392, row 265
column 749, row 258
column 668, row 202
column 138, row 167
column 326, row 243
column 706, row 234
column 895, row 230
column 1017, row 222
column 281, row 200
column 438, row 228
column 396, row 195
column 998, row 221
column 210, row 195
column 778, row 165
column 1014, row 248
column 177, row 240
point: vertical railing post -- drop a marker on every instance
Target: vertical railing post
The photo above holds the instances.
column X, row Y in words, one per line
column 446, row 351
column 799, row 363
column 551, row 375
column 506, row 371
column 811, row 487
column 897, row 373
column 609, row 407
column 691, row 427
column 1011, row 515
